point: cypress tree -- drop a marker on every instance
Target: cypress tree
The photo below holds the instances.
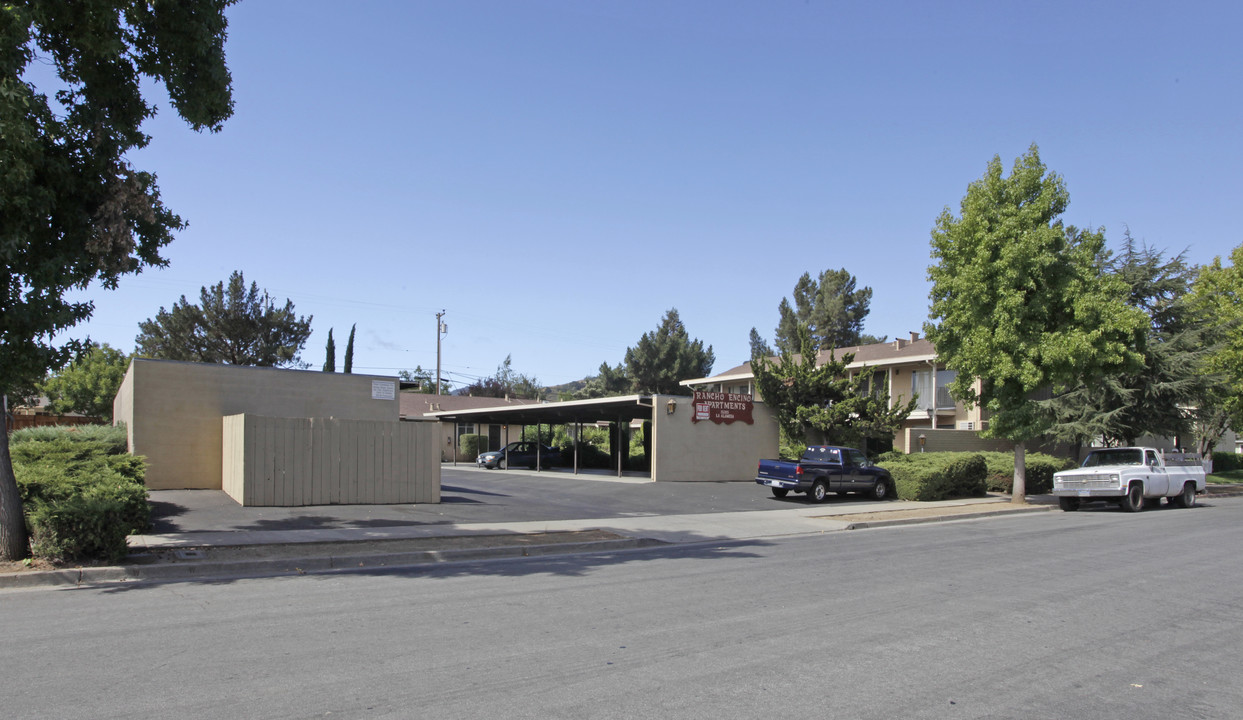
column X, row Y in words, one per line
column 330, row 354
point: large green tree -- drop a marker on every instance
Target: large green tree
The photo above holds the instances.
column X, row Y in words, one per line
column 73, row 209
column 830, row 307
column 666, row 356
column 89, row 384
column 1021, row 303
column 1154, row 397
column 235, row 325
column 1218, row 294
column 817, row 401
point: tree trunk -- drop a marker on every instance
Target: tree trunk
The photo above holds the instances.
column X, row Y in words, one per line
column 1019, row 493
column 14, row 545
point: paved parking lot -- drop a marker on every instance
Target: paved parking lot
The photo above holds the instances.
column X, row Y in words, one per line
column 470, row 495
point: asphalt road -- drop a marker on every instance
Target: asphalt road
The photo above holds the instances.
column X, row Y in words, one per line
column 1095, row 614
column 472, row 496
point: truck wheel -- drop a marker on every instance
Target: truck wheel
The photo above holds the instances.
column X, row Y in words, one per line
column 1186, row 498
column 818, row 492
column 1133, row 501
column 780, row 492
column 1069, row 504
column 879, row 490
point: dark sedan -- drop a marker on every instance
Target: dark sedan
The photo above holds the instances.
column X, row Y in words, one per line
column 519, row 454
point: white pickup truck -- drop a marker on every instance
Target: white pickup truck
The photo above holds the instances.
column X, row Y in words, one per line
column 1132, row 477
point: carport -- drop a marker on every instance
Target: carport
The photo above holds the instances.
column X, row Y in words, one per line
column 684, row 445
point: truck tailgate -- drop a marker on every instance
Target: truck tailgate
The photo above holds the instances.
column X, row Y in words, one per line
column 779, row 470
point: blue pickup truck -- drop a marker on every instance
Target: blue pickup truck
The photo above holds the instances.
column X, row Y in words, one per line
column 825, row 469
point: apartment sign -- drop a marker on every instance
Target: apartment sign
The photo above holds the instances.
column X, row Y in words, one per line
column 720, row 407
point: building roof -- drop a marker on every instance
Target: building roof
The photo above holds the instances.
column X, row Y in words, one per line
column 893, row 352
column 413, row 405
column 623, row 408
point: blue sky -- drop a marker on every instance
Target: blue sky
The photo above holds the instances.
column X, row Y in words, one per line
column 556, row 174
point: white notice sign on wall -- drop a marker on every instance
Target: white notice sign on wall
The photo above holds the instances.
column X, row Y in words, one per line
column 383, row 389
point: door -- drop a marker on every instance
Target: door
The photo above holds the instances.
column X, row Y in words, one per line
column 857, row 471
column 1158, row 481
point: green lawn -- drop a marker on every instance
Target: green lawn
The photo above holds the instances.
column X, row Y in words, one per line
column 1228, row 476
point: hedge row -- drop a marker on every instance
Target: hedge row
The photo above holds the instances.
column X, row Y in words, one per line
column 82, row 492
column 936, row 476
column 1038, row 469
column 1227, row 461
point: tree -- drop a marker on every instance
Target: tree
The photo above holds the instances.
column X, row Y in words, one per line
column 665, row 356
column 89, row 384
column 1021, row 303
column 505, row 383
column 1154, row 397
column 610, row 382
column 830, row 308
column 821, row 401
column 425, row 378
column 73, row 209
column 1218, row 293
column 349, row 352
column 233, row 325
column 330, row 354
column 759, row 346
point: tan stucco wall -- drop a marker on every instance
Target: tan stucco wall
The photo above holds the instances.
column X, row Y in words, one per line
column 123, row 403
column 174, row 410
column 705, row 451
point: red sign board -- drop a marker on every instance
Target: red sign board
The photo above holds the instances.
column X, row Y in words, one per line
column 720, row 407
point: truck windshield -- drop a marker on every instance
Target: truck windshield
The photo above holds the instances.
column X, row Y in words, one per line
column 1121, row 456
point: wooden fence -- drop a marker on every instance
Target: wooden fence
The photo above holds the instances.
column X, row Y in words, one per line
column 21, row 422
column 289, row 462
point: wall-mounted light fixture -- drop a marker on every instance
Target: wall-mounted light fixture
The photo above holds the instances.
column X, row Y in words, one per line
column 671, row 406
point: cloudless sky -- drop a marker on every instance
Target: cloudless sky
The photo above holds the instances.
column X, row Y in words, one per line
column 556, row 174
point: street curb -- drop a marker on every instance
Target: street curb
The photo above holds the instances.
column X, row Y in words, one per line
column 947, row 518
column 239, row 569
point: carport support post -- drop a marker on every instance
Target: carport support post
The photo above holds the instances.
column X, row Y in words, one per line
column 619, row 446
column 539, row 442
column 578, row 437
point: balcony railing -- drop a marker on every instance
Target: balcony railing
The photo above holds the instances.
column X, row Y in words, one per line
column 944, row 401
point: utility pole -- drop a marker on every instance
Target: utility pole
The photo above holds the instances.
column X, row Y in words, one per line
column 441, row 329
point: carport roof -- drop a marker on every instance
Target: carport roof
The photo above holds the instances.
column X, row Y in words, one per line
column 624, row 408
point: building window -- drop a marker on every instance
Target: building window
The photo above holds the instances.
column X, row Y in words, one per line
column 933, row 389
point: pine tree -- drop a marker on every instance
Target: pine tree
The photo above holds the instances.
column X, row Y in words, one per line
column 666, row 356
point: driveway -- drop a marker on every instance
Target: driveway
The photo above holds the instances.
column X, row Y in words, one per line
column 470, row 495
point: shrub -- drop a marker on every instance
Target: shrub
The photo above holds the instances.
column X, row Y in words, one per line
column 1039, row 470
column 82, row 492
column 468, row 447
column 936, row 476
column 92, row 525
column 1227, row 462
column 589, row 456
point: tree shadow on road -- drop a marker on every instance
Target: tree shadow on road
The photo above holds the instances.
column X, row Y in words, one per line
column 570, row 564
